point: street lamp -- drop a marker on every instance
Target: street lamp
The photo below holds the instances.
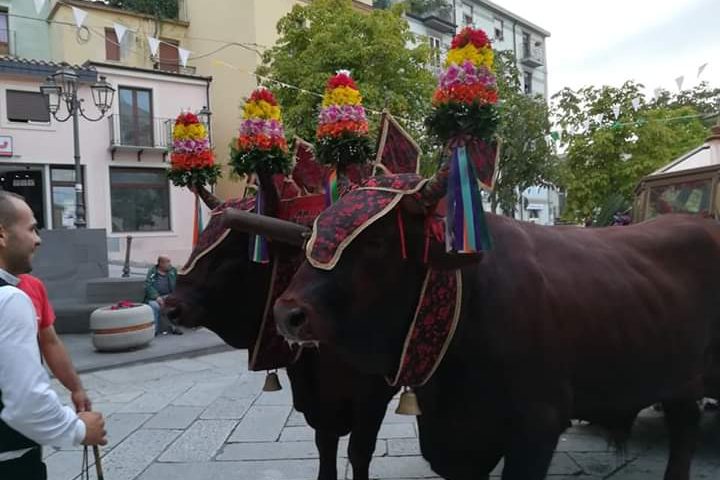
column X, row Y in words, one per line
column 62, row 87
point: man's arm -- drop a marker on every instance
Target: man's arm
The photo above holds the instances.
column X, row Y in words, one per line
column 30, row 406
column 150, row 292
column 61, row 366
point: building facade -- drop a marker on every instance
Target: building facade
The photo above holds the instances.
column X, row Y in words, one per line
column 124, row 155
column 507, row 30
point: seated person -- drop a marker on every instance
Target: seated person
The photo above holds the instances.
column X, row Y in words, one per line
column 159, row 283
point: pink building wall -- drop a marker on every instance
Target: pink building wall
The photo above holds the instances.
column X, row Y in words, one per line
column 45, row 144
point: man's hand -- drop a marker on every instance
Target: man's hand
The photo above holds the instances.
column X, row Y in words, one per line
column 94, row 428
column 160, row 301
column 81, row 401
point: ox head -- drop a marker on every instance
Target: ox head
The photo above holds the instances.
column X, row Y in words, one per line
column 220, row 287
column 359, row 292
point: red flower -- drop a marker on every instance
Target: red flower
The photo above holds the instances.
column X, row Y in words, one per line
column 341, row 80
column 470, row 35
column 338, row 128
column 466, row 94
column 187, row 119
column 263, row 94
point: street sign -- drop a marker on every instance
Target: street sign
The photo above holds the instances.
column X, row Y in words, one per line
column 6, row 146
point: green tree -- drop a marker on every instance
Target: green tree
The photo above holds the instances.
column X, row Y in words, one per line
column 605, row 155
column 158, row 8
column 526, row 157
column 318, row 39
column 703, row 98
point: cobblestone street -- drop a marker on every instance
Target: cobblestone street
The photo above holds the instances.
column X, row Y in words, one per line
column 206, row 418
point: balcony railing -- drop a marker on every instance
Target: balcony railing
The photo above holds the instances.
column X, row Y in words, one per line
column 174, row 67
column 139, row 134
column 533, row 56
column 439, row 19
column 7, row 42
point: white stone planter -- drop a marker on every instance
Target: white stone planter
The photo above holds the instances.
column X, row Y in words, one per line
column 122, row 329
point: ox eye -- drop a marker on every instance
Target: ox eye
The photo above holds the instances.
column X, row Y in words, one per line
column 375, row 247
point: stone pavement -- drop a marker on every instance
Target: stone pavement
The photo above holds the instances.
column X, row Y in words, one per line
column 206, row 418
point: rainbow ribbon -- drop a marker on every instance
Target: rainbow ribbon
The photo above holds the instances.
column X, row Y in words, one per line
column 331, row 188
column 258, row 244
column 466, row 227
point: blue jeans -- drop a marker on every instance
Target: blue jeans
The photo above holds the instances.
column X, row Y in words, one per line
column 156, row 311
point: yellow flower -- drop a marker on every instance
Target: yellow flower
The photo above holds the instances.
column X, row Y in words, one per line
column 261, row 110
column 483, row 56
column 342, row 96
column 196, row 131
column 179, row 132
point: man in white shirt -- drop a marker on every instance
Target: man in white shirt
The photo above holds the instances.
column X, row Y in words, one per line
column 30, row 412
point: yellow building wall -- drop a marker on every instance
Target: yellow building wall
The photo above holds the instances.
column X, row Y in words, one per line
column 213, row 25
column 77, row 46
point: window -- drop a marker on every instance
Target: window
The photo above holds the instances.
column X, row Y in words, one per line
column 112, row 46
column 4, row 33
column 687, row 197
column 499, row 29
column 436, row 51
column 528, row 77
column 62, row 188
column 139, row 200
column 169, row 57
column 526, row 44
column 467, row 14
column 26, row 107
column 136, row 118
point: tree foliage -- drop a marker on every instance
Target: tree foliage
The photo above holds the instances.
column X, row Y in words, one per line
column 318, row 39
column 605, row 156
column 158, row 8
column 526, row 157
column 703, row 98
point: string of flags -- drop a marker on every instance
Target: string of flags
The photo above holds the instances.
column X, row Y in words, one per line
column 80, row 15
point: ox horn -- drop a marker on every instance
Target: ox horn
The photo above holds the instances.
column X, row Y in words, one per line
column 210, row 200
column 430, row 194
column 273, row 228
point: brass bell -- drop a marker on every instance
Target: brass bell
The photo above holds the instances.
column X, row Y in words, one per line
column 272, row 382
column 408, row 403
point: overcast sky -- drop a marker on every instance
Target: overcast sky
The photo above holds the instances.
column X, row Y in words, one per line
column 610, row 41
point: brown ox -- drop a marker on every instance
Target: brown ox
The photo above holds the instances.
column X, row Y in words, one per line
column 223, row 290
column 556, row 323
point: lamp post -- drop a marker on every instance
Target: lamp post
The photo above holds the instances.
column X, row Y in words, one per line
column 62, row 87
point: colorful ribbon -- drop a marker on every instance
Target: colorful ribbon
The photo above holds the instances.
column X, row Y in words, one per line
column 332, row 193
column 466, row 227
column 258, row 244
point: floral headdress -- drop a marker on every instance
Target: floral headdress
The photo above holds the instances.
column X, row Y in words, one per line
column 192, row 162
column 261, row 146
column 342, row 131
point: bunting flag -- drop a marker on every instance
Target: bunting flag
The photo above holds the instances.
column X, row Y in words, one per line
column 79, row 15
column 701, row 69
column 39, row 5
column 636, row 104
column 598, row 118
column 184, row 55
column 154, row 44
column 679, row 80
column 119, row 31
column 616, row 111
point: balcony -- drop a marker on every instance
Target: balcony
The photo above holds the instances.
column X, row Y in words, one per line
column 533, row 56
column 140, row 135
column 439, row 18
column 174, row 68
column 7, row 43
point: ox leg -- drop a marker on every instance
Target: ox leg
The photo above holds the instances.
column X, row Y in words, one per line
column 363, row 437
column 327, row 445
column 532, row 442
column 682, row 418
